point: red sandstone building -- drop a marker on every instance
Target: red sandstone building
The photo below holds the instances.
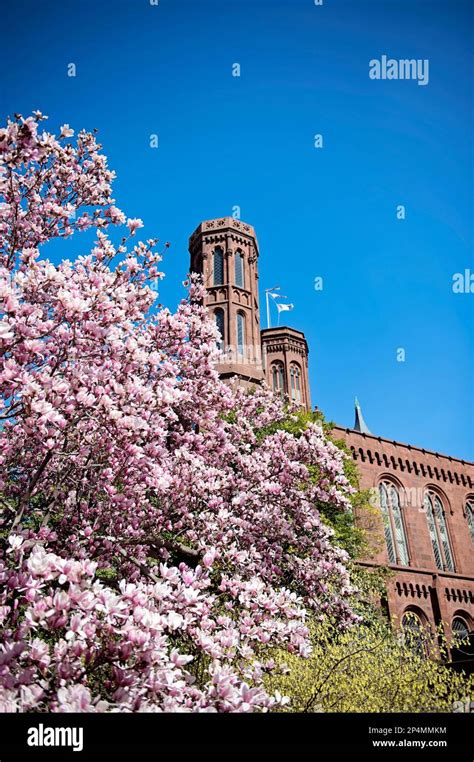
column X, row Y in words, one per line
column 426, row 504
column 425, row 501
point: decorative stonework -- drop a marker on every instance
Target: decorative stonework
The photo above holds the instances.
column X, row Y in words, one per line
column 461, row 596
column 409, row 590
column 410, row 465
column 436, row 594
column 228, row 222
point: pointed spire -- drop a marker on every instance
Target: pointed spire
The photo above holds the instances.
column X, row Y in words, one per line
column 360, row 424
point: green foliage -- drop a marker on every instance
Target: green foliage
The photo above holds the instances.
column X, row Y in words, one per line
column 294, row 423
column 358, row 532
column 107, row 575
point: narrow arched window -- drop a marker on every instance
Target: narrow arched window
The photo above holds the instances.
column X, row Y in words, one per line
column 239, row 269
column 470, row 517
column 433, row 533
column 414, row 632
column 394, row 528
column 278, row 378
column 460, row 629
column 219, row 316
column 218, row 265
column 438, row 530
column 295, row 382
column 240, row 333
column 443, row 532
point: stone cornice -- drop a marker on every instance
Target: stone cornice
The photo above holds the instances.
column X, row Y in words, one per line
column 407, row 458
column 423, row 450
column 223, row 227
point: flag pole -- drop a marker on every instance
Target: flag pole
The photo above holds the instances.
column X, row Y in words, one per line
column 267, row 294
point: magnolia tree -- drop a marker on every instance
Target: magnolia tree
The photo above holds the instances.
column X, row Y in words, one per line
column 160, row 536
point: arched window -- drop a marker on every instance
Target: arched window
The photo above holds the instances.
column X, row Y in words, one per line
column 413, row 631
column 218, row 259
column 470, row 517
column 239, row 269
column 438, row 530
column 278, row 378
column 394, row 529
column 240, row 333
column 460, row 629
column 219, row 316
column 295, row 382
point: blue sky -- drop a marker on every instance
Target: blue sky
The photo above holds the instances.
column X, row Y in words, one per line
column 249, row 141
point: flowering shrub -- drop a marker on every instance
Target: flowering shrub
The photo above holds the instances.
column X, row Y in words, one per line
column 162, row 532
column 372, row 668
column 77, row 645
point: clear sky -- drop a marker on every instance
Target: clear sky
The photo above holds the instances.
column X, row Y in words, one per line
column 248, row 141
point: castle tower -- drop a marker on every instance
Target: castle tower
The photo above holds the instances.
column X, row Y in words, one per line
column 225, row 252
column 285, row 362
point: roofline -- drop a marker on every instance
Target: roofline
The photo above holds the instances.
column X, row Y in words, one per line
column 282, row 328
column 228, row 224
column 267, row 335
column 424, row 450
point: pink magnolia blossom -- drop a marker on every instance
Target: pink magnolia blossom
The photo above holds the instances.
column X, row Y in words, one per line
column 66, row 131
column 161, row 525
column 133, row 225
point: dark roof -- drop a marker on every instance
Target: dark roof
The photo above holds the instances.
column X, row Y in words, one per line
column 360, row 425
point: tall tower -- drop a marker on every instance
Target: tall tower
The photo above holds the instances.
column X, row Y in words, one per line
column 285, row 361
column 225, row 252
